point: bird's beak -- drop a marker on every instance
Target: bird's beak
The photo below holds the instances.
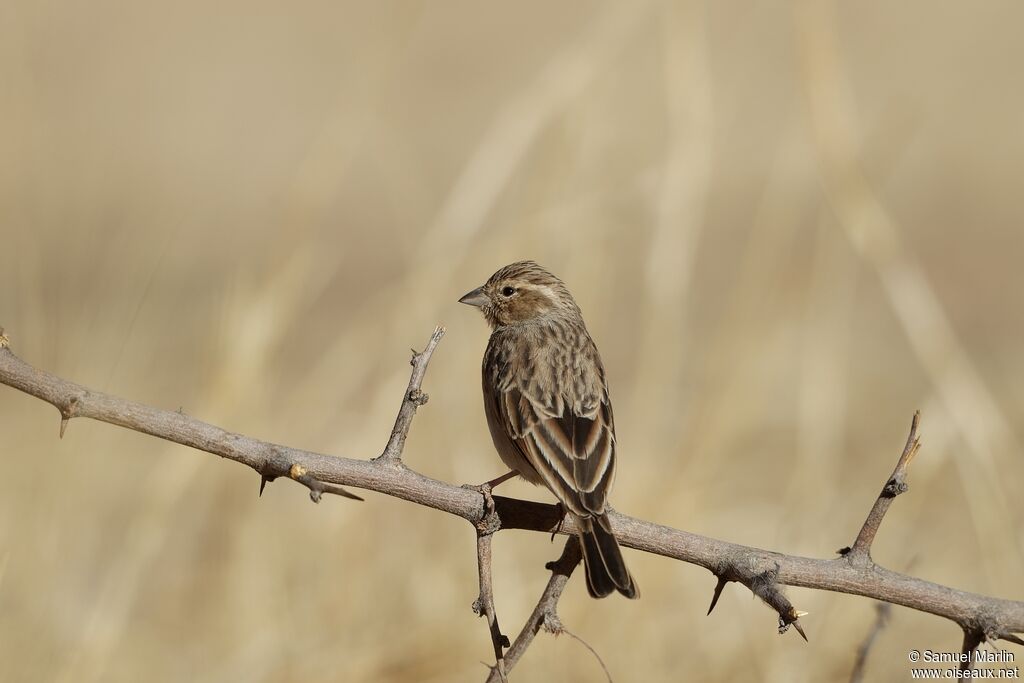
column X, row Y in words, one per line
column 475, row 298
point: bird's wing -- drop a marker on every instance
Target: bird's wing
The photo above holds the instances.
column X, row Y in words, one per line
column 571, row 443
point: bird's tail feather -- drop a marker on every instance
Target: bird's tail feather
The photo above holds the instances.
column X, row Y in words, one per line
column 605, row 569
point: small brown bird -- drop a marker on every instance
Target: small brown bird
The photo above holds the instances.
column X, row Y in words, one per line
column 548, row 410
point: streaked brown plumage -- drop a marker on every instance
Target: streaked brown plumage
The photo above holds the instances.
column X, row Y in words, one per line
column 547, row 406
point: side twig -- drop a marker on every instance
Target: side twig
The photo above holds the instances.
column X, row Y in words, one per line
column 860, row 552
column 413, row 399
column 484, row 604
column 316, row 488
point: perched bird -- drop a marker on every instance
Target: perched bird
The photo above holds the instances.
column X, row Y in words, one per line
column 548, row 410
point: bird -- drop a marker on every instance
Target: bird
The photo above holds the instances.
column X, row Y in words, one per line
column 548, row 409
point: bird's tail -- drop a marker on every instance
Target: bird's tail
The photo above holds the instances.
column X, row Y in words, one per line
column 606, row 570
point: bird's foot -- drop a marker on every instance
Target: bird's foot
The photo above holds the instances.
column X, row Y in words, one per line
column 485, row 488
column 488, row 522
column 561, row 520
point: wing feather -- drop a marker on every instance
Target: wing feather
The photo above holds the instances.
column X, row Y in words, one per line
column 573, row 454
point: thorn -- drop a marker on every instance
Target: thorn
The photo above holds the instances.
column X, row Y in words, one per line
column 66, row 413
column 338, row 491
column 844, row 551
column 718, row 593
column 792, row 618
column 1012, row 638
column 263, row 483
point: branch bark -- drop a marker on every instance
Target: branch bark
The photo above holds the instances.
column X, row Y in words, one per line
column 763, row 571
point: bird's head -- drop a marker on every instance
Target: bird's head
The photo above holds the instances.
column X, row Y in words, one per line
column 521, row 292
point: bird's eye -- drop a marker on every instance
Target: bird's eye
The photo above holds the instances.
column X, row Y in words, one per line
column 508, row 291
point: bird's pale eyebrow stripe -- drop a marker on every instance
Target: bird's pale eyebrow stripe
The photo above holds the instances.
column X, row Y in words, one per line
column 543, row 289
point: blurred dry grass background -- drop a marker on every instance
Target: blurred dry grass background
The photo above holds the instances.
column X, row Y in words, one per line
column 788, row 227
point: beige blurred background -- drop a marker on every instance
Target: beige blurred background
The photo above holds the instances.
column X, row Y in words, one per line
column 788, row 227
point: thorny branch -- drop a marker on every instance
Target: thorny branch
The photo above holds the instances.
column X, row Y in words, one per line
column 764, row 572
